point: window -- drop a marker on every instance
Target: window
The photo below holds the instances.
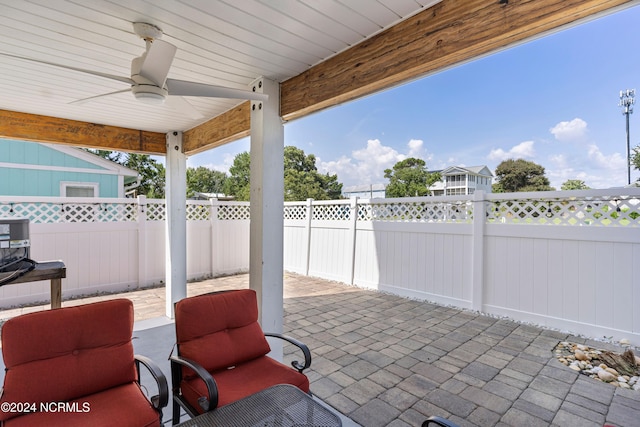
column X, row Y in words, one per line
column 79, row 189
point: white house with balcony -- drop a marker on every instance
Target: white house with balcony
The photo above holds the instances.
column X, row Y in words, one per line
column 458, row 180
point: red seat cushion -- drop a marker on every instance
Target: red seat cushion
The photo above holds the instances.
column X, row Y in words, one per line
column 61, row 355
column 220, row 330
column 122, row 406
column 244, row 380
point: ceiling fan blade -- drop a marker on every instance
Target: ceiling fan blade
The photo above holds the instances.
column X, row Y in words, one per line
column 182, row 106
column 83, row 100
column 82, row 70
column 183, row 88
column 157, row 61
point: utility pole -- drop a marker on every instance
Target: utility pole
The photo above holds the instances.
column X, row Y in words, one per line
column 627, row 99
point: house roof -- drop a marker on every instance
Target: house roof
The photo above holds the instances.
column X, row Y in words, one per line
column 476, row 170
column 129, row 174
column 364, row 188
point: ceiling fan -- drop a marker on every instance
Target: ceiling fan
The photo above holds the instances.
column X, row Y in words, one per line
column 149, row 82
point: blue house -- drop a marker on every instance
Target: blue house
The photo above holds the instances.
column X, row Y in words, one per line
column 39, row 169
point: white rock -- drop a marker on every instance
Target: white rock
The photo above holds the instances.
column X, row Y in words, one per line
column 622, row 380
column 636, row 386
column 576, row 368
column 612, row 372
column 624, row 341
column 606, row 376
column 624, row 385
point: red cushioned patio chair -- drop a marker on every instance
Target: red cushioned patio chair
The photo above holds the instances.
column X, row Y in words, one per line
column 75, row 366
column 222, row 353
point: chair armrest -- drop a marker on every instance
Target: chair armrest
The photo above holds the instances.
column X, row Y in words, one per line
column 207, row 403
column 438, row 421
column 300, row 345
column 162, row 399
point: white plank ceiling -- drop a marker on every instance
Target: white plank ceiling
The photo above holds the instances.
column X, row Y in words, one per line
column 220, row 42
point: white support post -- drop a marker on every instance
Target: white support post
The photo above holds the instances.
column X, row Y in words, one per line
column 176, row 232
column 353, row 222
column 215, row 237
column 477, row 251
column 307, row 258
column 143, row 274
column 267, row 207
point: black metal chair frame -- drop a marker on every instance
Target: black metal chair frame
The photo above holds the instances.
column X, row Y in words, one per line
column 439, row 421
column 210, row 402
column 161, row 399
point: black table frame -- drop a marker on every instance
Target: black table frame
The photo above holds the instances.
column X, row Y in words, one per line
column 278, row 406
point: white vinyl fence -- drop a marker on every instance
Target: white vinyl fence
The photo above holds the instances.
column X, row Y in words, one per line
column 568, row 260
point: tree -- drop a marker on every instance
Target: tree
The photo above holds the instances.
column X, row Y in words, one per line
column 205, row 180
column 574, row 184
column 151, row 172
column 520, row 175
column 635, row 158
column 237, row 184
column 303, row 181
column 410, row 178
column 301, row 178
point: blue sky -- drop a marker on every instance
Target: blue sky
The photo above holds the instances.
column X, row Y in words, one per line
column 553, row 101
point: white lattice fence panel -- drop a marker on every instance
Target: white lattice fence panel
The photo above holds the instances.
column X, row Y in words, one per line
column 198, row 212
column 37, row 213
column 620, row 211
column 295, row 212
column 47, row 213
column 156, row 211
column 416, row 211
column 330, row 212
column 234, row 212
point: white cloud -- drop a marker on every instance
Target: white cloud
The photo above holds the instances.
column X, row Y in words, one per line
column 227, row 162
column 612, row 162
column 367, row 165
column 574, row 130
column 415, row 148
column 521, row 151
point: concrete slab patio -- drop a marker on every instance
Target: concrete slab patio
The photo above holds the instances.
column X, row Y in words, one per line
column 383, row 360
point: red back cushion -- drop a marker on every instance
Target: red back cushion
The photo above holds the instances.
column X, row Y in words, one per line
column 64, row 354
column 220, row 330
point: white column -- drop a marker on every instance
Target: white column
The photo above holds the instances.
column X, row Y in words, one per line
column 143, row 273
column 176, row 213
column 267, row 207
column 477, row 251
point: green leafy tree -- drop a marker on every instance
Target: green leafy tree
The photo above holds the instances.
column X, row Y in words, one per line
column 237, row 184
column 520, row 175
column 410, row 178
column 152, row 173
column 303, row 181
column 205, row 180
column 301, row 178
column 574, row 184
column 635, row 157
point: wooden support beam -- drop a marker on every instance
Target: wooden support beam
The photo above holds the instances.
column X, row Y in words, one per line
column 448, row 33
column 227, row 127
column 31, row 127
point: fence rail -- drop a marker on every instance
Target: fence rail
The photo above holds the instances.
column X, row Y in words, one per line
column 569, row 260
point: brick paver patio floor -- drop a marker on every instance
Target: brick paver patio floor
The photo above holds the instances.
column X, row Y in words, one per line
column 384, row 360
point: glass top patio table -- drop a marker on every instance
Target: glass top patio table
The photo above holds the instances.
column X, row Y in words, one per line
column 282, row 405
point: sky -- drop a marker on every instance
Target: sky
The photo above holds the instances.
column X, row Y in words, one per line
column 553, row 101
